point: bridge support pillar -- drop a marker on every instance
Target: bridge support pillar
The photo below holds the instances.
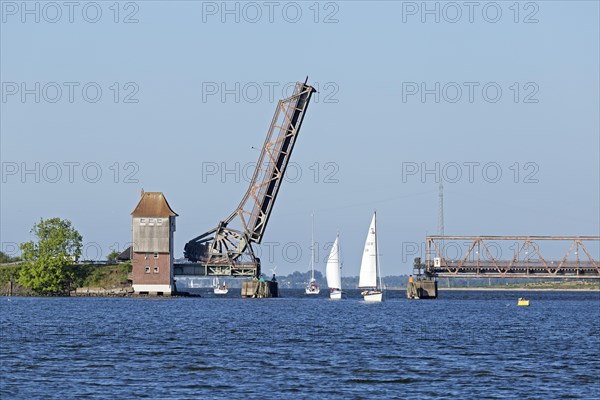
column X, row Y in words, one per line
column 257, row 289
column 422, row 288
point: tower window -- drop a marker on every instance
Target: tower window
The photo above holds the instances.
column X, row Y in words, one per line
column 155, row 255
column 159, row 221
column 156, row 270
column 147, row 269
column 151, row 221
column 142, row 221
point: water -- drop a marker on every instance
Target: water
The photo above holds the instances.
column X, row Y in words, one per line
column 464, row 344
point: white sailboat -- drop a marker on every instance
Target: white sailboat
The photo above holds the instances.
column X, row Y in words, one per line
column 333, row 271
column 312, row 287
column 219, row 288
column 369, row 267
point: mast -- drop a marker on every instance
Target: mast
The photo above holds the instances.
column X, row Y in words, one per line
column 441, row 215
column 339, row 258
column 377, row 254
column 312, row 247
column 339, row 255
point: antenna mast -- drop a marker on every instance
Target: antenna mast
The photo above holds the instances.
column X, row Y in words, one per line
column 441, row 210
column 441, row 215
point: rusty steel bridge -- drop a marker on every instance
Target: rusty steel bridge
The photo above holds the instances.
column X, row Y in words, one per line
column 226, row 250
column 483, row 257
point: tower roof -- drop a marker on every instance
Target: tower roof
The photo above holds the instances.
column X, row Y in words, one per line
column 153, row 204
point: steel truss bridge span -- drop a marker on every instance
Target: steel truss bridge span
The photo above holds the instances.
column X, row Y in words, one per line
column 527, row 259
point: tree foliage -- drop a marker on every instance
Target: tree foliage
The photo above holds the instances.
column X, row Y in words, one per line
column 47, row 260
column 9, row 273
column 5, row 258
column 112, row 257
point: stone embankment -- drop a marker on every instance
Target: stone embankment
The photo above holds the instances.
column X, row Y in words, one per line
column 102, row 292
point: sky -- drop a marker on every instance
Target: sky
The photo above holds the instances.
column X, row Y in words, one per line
column 498, row 100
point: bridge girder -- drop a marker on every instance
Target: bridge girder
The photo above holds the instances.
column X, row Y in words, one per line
column 479, row 262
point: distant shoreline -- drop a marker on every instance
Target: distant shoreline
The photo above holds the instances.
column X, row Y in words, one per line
column 592, row 289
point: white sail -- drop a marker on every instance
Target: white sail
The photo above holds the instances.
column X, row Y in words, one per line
column 332, row 270
column 368, row 266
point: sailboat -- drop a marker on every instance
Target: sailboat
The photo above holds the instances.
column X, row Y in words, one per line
column 333, row 271
column 369, row 267
column 219, row 288
column 312, row 287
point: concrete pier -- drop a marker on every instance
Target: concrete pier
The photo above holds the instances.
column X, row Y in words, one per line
column 256, row 289
column 422, row 288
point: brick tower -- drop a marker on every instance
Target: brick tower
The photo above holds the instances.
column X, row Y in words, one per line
column 153, row 225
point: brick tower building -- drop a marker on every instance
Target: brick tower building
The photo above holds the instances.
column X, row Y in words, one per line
column 153, row 225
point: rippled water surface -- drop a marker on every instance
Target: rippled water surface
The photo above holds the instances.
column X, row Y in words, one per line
column 462, row 345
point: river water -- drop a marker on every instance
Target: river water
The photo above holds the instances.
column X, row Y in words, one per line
column 462, row 345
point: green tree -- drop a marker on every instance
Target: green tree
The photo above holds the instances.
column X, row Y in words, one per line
column 112, row 257
column 5, row 258
column 47, row 260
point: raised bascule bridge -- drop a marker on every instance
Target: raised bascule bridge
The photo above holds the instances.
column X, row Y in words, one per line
column 226, row 250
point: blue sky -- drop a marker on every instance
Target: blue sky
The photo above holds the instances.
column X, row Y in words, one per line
column 365, row 134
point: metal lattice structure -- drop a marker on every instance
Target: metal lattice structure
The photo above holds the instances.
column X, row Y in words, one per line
column 227, row 251
column 526, row 261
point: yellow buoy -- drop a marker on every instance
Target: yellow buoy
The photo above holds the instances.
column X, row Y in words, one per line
column 523, row 302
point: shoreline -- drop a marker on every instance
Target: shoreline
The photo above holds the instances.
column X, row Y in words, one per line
column 593, row 289
column 127, row 294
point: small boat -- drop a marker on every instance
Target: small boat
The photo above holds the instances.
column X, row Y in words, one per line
column 333, row 271
column 370, row 273
column 219, row 288
column 312, row 287
column 523, row 302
